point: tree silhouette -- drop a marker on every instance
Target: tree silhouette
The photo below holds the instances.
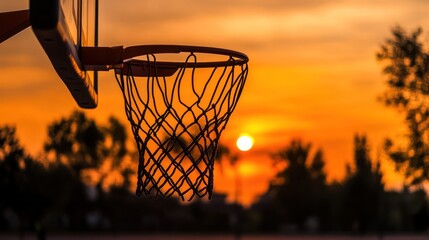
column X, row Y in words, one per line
column 28, row 189
column 94, row 152
column 76, row 141
column 98, row 157
column 115, row 153
column 12, row 158
column 407, row 71
column 363, row 187
column 298, row 189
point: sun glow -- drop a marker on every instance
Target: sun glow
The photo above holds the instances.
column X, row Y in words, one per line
column 244, row 143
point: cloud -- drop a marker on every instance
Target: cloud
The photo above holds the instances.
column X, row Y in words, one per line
column 166, row 10
column 275, row 30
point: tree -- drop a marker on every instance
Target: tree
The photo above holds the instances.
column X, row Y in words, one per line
column 28, row 189
column 363, row 188
column 298, row 188
column 115, row 153
column 76, row 141
column 407, row 71
column 93, row 151
column 12, row 158
column 97, row 155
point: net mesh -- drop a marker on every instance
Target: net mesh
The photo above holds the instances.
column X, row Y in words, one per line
column 177, row 115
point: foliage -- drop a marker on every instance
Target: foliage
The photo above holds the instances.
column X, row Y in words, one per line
column 90, row 149
column 298, row 189
column 76, row 141
column 11, row 157
column 54, row 195
column 363, row 190
column 407, row 72
column 11, row 161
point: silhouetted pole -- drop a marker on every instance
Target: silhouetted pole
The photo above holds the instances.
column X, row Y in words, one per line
column 237, row 213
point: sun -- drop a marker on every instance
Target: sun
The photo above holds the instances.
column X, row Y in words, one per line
column 244, row 142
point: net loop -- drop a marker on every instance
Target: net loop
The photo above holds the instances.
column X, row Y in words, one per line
column 177, row 111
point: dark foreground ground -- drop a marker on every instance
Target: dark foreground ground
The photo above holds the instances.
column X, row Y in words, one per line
column 218, row 237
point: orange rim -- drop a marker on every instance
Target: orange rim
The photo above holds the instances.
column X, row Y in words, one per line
column 235, row 58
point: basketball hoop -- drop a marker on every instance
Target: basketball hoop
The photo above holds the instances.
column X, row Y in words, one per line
column 178, row 99
column 177, row 111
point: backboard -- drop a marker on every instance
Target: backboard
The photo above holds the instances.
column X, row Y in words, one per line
column 63, row 27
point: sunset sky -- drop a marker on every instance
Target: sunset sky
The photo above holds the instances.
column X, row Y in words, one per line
column 313, row 73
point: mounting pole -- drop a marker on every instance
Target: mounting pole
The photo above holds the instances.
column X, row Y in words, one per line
column 11, row 23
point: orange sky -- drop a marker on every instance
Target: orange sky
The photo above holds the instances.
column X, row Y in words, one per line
column 313, row 73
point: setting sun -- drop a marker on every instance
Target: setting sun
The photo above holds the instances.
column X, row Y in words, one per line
column 244, row 143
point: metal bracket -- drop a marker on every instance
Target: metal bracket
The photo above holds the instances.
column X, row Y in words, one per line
column 102, row 58
column 11, row 23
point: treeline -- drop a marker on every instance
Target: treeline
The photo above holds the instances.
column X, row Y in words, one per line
column 84, row 181
column 300, row 200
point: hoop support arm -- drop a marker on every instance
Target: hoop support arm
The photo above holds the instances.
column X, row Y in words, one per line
column 11, row 23
column 102, row 58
